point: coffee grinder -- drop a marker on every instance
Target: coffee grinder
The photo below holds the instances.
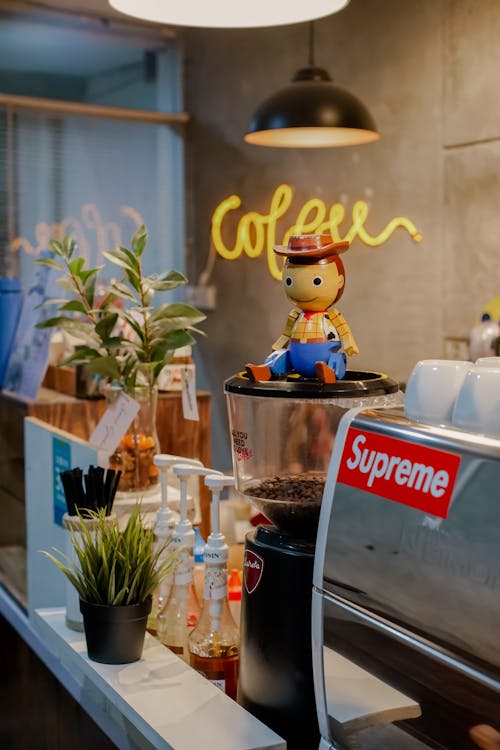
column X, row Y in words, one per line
column 282, row 435
column 283, row 417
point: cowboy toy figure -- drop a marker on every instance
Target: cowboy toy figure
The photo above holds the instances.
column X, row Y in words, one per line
column 315, row 332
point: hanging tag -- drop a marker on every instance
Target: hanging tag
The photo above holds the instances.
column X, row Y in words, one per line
column 114, row 423
column 189, row 402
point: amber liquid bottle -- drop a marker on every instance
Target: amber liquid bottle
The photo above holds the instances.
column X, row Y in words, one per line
column 220, row 671
column 214, row 643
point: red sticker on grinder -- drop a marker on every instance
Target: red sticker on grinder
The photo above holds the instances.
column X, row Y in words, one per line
column 253, row 565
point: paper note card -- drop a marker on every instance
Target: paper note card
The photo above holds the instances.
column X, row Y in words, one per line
column 189, row 403
column 114, row 423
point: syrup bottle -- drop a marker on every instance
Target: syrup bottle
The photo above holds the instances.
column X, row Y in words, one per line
column 182, row 610
column 214, row 642
column 164, row 529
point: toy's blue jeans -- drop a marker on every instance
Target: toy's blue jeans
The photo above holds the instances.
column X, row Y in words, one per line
column 303, row 357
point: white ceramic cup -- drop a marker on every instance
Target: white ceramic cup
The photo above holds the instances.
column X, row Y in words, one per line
column 487, row 362
column 432, row 389
column 477, row 408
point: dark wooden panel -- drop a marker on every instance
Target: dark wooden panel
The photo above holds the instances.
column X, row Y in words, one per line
column 12, row 526
column 36, row 712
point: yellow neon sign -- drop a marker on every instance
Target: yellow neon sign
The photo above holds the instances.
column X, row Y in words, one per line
column 258, row 231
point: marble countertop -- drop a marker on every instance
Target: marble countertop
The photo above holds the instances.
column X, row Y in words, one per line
column 160, row 701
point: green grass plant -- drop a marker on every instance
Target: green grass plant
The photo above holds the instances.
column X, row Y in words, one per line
column 113, row 566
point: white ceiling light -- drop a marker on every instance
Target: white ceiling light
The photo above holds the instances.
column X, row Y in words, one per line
column 227, row 13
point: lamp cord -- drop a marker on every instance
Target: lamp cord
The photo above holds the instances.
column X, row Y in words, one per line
column 311, row 44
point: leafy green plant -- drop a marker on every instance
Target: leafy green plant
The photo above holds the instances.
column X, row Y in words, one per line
column 115, row 567
column 126, row 337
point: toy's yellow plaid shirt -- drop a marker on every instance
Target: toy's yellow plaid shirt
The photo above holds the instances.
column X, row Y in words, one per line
column 316, row 327
column 309, row 328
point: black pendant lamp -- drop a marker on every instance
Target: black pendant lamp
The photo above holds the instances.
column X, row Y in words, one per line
column 311, row 112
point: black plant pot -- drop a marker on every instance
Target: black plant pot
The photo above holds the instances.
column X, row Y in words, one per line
column 115, row 635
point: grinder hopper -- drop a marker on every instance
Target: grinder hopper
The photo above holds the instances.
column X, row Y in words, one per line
column 282, row 435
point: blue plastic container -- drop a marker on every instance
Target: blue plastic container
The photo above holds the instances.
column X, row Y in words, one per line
column 10, row 307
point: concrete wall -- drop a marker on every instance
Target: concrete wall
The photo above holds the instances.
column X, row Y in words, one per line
column 428, row 72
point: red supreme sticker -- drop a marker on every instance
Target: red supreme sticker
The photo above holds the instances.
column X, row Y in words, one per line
column 401, row 471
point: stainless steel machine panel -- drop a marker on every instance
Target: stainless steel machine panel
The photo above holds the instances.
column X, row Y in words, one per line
column 412, row 596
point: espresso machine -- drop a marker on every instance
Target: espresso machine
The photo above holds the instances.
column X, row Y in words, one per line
column 282, row 436
column 406, row 598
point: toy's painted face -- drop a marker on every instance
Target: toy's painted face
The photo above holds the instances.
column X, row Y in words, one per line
column 312, row 287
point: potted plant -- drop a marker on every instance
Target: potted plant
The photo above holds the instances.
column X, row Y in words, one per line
column 126, row 338
column 115, row 573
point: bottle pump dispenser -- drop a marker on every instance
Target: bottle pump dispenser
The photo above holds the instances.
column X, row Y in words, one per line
column 164, row 526
column 165, row 517
column 182, row 609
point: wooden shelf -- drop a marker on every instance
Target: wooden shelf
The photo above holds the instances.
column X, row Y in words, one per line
column 80, row 416
column 57, row 106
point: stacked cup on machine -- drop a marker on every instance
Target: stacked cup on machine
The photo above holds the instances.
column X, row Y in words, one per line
column 457, row 394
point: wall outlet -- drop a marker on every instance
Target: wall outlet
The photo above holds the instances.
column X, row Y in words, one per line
column 202, row 296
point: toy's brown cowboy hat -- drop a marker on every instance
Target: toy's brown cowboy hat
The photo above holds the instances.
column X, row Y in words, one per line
column 308, row 248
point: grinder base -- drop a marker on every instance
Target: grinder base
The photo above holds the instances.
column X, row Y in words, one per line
column 276, row 679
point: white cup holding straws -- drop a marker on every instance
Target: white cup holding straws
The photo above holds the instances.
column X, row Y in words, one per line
column 73, row 526
column 94, row 491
